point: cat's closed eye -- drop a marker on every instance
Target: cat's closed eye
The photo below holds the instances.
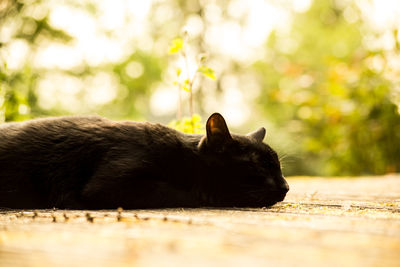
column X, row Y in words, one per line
column 256, row 180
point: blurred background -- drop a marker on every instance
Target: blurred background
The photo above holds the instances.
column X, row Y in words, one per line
column 323, row 77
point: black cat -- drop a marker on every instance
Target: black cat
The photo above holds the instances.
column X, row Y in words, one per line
column 94, row 163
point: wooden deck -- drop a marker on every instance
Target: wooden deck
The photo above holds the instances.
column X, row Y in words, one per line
column 322, row 222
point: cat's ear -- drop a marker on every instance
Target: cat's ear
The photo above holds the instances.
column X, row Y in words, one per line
column 258, row 135
column 217, row 130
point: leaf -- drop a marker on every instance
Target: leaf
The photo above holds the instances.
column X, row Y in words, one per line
column 186, row 85
column 202, row 57
column 207, row 71
column 188, row 125
column 196, row 118
column 176, row 46
column 178, row 72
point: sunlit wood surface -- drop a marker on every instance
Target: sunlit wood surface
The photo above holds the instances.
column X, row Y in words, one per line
column 322, row 222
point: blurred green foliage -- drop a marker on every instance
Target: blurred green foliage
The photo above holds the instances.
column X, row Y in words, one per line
column 332, row 103
column 329, row 103
column 17, row 95
column 19, row 87
column 189, row 124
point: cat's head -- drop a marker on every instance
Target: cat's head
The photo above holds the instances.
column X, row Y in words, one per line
column 242, row 170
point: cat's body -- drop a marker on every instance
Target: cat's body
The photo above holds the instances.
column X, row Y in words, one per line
column 95, row 163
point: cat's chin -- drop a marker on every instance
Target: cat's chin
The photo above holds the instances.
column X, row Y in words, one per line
column 268, row 199
column 260, row 204
column 270, row 203
column 265, row 204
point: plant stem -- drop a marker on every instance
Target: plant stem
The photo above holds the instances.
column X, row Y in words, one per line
column 191, row 100
column 179, row 114
column 190, row 84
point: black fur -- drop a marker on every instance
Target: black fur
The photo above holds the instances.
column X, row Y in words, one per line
column 94, row 163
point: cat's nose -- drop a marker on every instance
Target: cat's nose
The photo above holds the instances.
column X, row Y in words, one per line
column 284, row 186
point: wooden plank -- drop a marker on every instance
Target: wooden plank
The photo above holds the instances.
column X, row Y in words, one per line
column 323, row 221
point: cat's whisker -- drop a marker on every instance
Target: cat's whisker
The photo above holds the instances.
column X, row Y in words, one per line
column 283, row 156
